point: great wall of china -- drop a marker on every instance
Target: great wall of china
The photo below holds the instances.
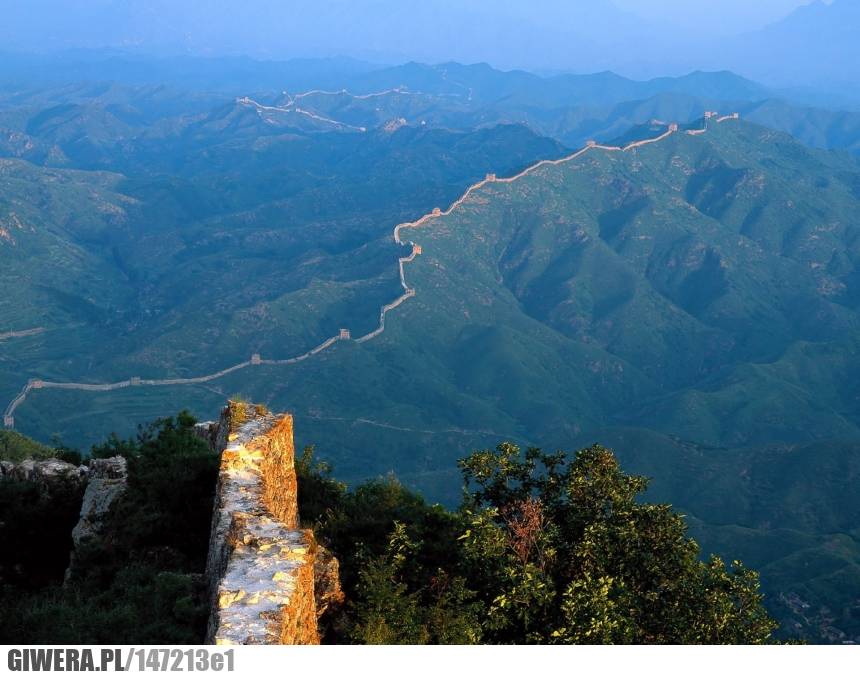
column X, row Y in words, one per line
column 344, row 334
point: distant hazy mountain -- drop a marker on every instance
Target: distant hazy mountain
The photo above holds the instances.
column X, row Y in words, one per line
column 585, row 36
column 814, row 45
column 817, row 44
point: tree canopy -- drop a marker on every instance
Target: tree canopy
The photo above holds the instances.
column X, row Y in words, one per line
column 544, row 549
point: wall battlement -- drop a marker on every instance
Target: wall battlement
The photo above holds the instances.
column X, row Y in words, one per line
column 261, row 568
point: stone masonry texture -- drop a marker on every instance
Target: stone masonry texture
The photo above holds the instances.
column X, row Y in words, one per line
column 261, row 568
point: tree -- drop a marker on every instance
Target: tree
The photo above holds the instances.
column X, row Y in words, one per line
column 565, row 552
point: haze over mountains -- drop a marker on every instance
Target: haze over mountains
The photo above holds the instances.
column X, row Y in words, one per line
column 814, row 46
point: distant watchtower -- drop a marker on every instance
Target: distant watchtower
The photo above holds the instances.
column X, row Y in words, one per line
column 9, row 421
column 36, row 384
column 255, row 359
column 735, row 115
column 437, row 211
column 344, row 334
column 673, row 127
column 590, row 144
column 416, row 249
column 708, row 114
column 135, row 382
column 491, row 177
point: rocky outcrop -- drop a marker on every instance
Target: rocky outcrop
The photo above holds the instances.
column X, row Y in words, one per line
column 42, row 472
column 108, row 481
column 261, row 570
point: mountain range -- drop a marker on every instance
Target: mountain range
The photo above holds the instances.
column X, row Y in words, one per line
column 812, row 48
column 692, row 302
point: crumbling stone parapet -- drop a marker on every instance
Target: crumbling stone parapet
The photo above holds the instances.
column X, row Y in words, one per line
column 261, row 569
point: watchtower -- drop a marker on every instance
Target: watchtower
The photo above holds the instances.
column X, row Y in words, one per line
column 344, row 334
column 491, row 177
column 437, row 211
column 255, row 359
column 673, row 127
column 708, row 113
column 135, row 382
column 416, row 249
column 735, row 115
column 9, row 421
column 35, row 383
column 590, row 144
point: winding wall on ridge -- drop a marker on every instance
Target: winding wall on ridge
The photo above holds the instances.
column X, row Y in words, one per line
column 409, row 292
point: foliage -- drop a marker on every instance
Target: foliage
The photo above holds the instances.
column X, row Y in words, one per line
column 15, row 447
column 142, row 606
column 565, row 552
column 137, row 584
column 36, row 530
column 387, row 612
column 163, row 518
column 543, row 550
column 238, row 414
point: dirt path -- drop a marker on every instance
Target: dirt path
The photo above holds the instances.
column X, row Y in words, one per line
column 21, row 334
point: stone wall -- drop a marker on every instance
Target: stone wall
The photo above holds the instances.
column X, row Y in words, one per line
column 261, row 569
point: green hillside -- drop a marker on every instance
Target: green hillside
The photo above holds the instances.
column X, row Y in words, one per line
column 692, row 303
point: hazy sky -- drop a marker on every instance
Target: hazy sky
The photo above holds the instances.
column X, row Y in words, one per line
column 637, row 38
column 724, row 16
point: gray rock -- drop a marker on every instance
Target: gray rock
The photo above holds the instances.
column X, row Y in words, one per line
column 44, row 472
column 108, row 481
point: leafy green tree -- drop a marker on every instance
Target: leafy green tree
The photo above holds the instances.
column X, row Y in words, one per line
column 15, row 447
column 566, row 552
column 388, row 612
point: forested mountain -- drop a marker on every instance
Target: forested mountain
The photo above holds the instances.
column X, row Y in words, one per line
column 692, row 303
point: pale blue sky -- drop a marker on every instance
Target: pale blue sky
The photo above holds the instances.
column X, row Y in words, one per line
column 725, row 16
